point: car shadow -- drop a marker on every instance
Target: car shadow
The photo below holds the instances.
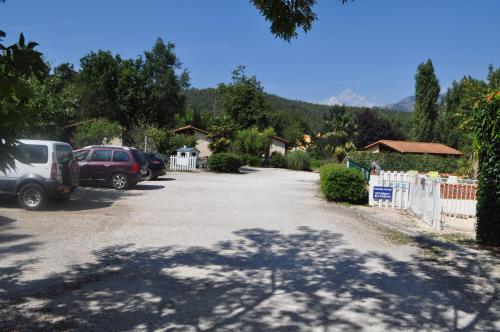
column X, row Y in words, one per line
column 247, row 170
column 261, row 280
column 163, row 179
column 90, row 198
column 146, row 187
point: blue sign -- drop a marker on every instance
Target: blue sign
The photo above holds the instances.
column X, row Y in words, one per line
column 382, row 193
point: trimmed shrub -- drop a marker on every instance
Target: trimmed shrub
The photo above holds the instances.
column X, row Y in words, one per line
column 298, row 160
column 341, row 184
column 405, row 162
column 224, row 163
column 277, row 160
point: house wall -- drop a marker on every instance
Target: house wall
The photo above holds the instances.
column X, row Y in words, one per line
column 202, row 142
column 374, row 149
column 277, row 146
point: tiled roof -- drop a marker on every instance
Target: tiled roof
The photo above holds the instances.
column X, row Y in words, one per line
column 188, row 128
column 417, row 147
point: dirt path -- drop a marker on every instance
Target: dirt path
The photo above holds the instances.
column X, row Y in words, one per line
column 254, row 252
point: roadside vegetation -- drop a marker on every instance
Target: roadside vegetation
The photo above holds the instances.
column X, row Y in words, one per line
column 341, row 184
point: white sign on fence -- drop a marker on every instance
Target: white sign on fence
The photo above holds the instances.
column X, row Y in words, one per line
column 389, row 189
column 183, row 164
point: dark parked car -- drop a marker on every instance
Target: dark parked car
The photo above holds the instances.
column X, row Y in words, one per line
column 156, row 166
column 119, row 167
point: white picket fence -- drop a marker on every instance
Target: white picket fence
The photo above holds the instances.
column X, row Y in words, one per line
column 183, row 164
column 430, row 199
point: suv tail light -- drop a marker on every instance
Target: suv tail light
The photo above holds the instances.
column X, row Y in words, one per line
column 136, row 167
column 53, row 171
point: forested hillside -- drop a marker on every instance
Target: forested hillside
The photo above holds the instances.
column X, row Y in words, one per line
column 206, row 101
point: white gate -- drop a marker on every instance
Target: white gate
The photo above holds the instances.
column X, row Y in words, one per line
column 183, row 164
column 425, row 199
column 429, row 198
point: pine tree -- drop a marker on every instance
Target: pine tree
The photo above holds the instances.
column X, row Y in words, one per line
column 426, row 102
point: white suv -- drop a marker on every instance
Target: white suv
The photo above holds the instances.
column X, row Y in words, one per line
column 42, row 170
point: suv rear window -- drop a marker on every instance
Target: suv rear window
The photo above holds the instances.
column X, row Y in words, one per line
column 138, row 155
column 63, row 153
column 33, row 154
column 120, row 156
column 101, row 155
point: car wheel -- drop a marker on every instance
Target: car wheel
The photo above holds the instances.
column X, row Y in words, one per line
column 32, row 197
column 149, row 176
column 119, row 181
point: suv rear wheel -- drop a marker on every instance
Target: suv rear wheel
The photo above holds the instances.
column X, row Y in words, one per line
column 32, row 197
column 119, row 181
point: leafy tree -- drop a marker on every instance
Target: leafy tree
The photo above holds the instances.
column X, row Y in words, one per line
column 96, row 132
column 426, row 102
column 163, row 87
column 371, row 127
column 251, row 142
column 338, row 125
column 50, row 109
column 133, row 90
column 222, row 130
column 99, row 82
column 18, row 62
column 493, row 77
column 288, row 16
column 243, row 100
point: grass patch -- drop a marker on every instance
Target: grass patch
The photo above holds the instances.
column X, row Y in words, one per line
column 457, row 238
column 396, row 237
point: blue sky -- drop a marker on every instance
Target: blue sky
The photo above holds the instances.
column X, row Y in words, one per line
column 365, row 52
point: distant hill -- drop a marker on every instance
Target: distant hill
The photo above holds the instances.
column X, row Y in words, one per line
column 404, row 105
column 205, row 100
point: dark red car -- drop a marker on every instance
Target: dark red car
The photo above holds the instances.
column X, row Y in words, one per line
column 119, row 167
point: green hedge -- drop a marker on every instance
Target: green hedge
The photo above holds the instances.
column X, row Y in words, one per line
column 486, row 125
column 224, row 163
column 341, row 184
column 405, row 162
column 277, row 160
column 298, row 160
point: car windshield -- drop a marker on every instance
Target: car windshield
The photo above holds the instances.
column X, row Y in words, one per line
column 138, row 155
column 64, row 153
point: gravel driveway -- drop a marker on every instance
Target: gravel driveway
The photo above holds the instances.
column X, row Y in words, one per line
column 259, row 251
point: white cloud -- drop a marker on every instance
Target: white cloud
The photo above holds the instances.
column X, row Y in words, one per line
column 349, row 98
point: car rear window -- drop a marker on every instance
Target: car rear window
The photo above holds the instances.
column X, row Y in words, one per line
column 120, row 156
column 101, row 155
column 63, row 153
column 81, row 155
column 138, row 155
column 33, row 154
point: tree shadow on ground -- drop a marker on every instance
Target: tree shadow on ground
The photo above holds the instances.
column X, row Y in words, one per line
column 262, row 281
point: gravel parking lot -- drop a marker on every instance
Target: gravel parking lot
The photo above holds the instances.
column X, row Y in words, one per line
column 257, row 251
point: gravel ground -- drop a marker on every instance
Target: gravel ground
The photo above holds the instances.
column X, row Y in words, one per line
column 259, row 251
